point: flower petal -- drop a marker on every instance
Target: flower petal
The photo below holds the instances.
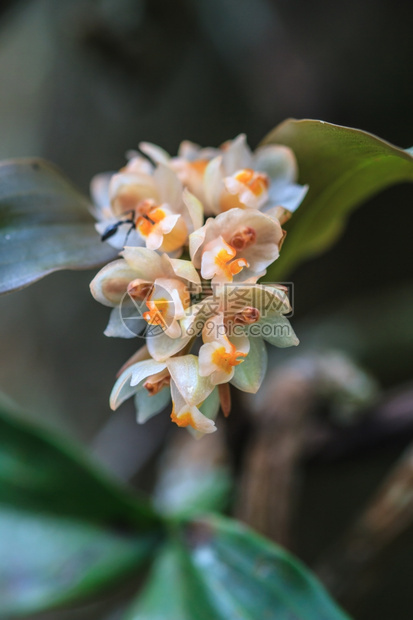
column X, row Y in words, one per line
column 195, row 209
column 277, row 330
column 154, row 152
column 236, row 155
column 138, row 372
column 213, row 185
column 289, row 196
column 249, row 375
column 185, row 373
column 208, row 366
column 148, row 405
column 110, row 283
column 162, row 347
column 125, row 322
column 146, row 263
column 185, row 269
column 99, row 189
column 209, row 409
column 196, row 240
column 169, row 186
column 125, row 386
column 189, row 416
column 277, row 161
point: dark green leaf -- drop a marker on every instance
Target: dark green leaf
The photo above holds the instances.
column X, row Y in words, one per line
column 66, row 530
column 221, row 570
column 41, row 472
column 45, row 225
column 343, row 167
column 47, row 561
column 174, row 591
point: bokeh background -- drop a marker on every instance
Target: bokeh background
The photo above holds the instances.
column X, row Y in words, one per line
column 83, row 81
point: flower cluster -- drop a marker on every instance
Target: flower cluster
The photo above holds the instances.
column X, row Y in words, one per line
column 190, row 286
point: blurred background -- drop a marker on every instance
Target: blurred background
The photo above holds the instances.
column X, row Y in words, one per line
column 83, row 81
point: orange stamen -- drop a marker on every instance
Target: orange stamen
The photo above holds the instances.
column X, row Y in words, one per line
column 149, row 216
column 156, row 311
column 226, row 360
column 257, row 182
column 185, row 419
column 223, row 260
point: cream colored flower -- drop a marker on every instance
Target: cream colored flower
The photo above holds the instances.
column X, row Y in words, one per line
column 143, row 206
column 157, row 286
column 154, row 383
column 237, row 245
column 233, row 176
column 220, row 354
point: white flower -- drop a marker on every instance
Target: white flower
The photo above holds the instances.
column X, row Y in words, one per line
column 153, row 383
column 145, row 278
column 236, row 245
column 219, row 355
column 244, row 316
column 233, row 176
column 141, row 206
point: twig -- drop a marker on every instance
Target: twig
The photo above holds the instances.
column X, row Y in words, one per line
column 282, row 418
column 346, row 567
column 270, row 470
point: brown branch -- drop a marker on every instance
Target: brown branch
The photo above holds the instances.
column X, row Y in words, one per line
column 346, row 568
column 269, row 475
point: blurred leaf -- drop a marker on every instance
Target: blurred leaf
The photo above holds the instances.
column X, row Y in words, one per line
column 41, row 472
column 174, row 591
column 47, row 561
column 45, row 225
column 196, row 491
column 221, row 570
column 65, row 529
column 343, row 168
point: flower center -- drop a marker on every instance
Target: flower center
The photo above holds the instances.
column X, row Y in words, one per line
column 247, row 316
column 225, row 261
column 157, row 311
column 243, row 238
column 256, row 182
column 148, row 215
column 155, row 383
column 226, row 359
column 139, row 290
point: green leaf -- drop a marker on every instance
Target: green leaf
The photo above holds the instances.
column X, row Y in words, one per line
column 343, row 168
column 219, row 569
column 66, row 530
column 41, row 472
column 48, row 562
column 45, row 225
column 174, row 591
